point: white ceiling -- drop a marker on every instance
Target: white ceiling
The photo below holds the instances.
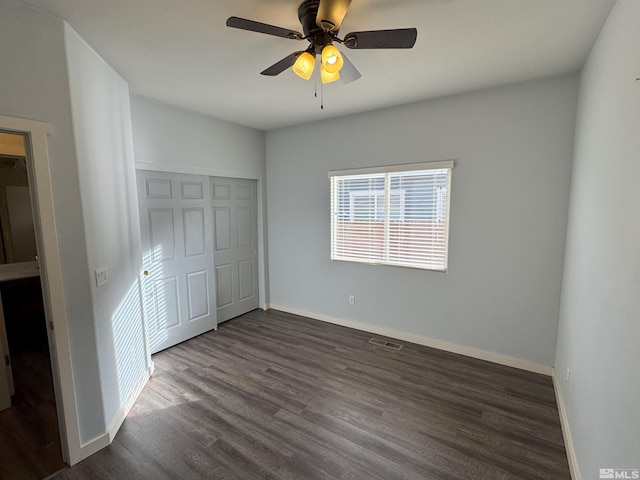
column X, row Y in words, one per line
column 181, row 52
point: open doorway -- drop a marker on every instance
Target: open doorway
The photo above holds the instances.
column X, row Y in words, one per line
column 29, row 430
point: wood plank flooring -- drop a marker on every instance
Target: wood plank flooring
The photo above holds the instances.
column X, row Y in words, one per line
column 278, row 396
column 29, row 435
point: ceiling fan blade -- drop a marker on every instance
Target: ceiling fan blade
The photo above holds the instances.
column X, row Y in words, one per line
column 253, row 26
column 348, row 73
column 331, row 13
column 398, row 38
column 279, row 67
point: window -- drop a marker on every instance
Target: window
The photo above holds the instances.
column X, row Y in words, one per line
column 395, row 215
column 363, row 203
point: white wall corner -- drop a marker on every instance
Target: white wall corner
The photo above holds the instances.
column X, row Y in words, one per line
column 566, row 431
column 105, row 439
column 426, row 341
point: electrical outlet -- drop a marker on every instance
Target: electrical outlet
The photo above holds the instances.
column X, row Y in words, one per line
column 566, row 380
column 102, row 276
column 352, row 299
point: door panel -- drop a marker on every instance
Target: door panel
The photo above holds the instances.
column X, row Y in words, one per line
column 177, row 238
column 235, row 207
column 194, row 234
column 157, row 188
column 162, row 234
column 224, row 282
column 223, row 228
column 245, row 275
column 166, row 296
column 221, row 191
column 245, row 235
column 198, row 291
column 192, row 190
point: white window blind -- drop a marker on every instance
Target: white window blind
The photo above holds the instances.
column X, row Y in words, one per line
column 395, row 215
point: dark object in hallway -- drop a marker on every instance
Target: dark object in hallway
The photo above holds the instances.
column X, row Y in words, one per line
column 24, row 315
column 274, row 395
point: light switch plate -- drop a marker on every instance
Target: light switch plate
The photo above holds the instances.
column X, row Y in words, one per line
column 102, row 276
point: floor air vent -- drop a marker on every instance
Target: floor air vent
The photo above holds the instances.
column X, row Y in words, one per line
column 384, row 343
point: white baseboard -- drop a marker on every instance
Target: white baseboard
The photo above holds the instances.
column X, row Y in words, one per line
column 426, row 341
column 106, row 438
column 566, row 431
column 93, row 446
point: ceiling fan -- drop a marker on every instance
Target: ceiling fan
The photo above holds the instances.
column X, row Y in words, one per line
column 321, row 20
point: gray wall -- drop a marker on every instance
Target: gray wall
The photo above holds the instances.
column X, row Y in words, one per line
column 177, row 139
column 94, row 199
column 600, row 314
column 167, row 135
column 104, row 149
column 34, row 84
column 513, row 150
column 49, row 74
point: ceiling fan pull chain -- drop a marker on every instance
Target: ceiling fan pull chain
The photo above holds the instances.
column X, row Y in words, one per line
column 321, row 96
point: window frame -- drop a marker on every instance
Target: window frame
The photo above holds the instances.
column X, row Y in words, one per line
column 337, row 209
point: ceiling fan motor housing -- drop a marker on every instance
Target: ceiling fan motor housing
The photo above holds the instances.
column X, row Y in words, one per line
column 307, row 13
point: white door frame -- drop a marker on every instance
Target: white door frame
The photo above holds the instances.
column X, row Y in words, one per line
column 38, row 168
column 212, row 172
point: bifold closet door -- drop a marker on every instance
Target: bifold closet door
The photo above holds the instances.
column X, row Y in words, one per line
column 235, row 224
column 178, row 280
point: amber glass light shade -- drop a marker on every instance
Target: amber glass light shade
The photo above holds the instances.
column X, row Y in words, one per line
column 328, row 77
column 331, row 59
column 304, row 65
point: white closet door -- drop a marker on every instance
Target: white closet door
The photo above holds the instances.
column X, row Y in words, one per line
column 177, row 240
column 235, row 220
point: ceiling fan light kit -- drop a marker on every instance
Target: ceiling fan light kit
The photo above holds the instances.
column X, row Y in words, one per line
column 304, row 65
column 321, row 21
column 328, row 77
column 331, row 59
column 331, row 63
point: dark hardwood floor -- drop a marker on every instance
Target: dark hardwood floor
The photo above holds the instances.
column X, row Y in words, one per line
column 278, row 396
column 29, row 435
